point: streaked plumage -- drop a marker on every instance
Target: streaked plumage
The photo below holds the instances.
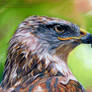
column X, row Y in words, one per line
column 37, row 56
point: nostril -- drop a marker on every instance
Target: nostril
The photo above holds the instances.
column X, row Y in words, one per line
column 82, row 33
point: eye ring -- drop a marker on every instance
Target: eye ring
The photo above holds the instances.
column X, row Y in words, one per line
column 59, row 29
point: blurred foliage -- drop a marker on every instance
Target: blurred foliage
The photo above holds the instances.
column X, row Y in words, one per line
column 13, row 12
column 80, row 62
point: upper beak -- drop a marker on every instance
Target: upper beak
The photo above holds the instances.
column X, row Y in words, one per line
column 86, row 38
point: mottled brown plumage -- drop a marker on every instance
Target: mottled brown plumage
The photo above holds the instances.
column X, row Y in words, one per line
column 37, row 56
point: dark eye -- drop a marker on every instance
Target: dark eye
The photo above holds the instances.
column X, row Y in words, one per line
column 59, row 29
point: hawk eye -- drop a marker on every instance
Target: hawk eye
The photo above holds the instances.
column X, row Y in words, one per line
column 59, row 29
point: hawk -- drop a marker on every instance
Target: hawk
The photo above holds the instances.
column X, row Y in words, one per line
column 37, row 56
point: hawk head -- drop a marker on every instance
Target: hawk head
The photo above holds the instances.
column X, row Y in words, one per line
column 55, row 36
column 41, row 45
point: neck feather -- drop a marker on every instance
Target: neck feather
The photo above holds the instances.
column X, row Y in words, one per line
column 30, row 59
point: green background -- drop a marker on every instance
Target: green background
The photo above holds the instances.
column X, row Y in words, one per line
column 12, row 13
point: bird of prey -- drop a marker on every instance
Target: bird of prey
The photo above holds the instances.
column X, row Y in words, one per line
column 37, row 56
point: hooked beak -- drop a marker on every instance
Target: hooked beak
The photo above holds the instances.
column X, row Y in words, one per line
column 86, row 38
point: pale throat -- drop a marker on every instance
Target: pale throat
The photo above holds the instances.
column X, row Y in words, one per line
column 63, row 51
column 59, row 65
column 59, row 61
